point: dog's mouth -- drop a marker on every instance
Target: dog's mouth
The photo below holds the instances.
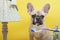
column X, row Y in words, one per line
column 37, row 19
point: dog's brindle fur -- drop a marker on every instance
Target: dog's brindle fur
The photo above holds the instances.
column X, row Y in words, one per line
column 43, row 35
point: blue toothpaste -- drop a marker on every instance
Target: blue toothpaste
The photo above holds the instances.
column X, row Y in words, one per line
column 33, row 29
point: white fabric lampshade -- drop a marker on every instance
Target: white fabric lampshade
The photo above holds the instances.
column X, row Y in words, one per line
column 7, row 13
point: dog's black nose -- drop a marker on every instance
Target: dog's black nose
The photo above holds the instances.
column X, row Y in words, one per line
column 39, row 21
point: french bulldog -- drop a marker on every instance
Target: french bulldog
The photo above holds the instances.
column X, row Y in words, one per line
column 37, row 23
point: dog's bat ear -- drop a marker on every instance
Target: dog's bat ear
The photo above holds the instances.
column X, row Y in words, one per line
column 30, row 7
column 46, row 8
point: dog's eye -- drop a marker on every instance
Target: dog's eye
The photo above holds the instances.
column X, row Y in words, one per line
column 33, row 16
column 42, row 16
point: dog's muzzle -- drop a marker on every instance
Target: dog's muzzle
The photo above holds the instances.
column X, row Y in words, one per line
column 37, row 19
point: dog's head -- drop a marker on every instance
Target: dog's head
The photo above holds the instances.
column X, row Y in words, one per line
column 38, row 15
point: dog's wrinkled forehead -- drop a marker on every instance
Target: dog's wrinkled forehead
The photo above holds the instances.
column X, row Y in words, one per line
column 38, row 12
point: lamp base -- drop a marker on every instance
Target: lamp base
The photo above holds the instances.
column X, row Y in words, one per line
column 4, row 30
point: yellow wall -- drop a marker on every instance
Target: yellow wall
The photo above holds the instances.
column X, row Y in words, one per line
column 19, row 30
